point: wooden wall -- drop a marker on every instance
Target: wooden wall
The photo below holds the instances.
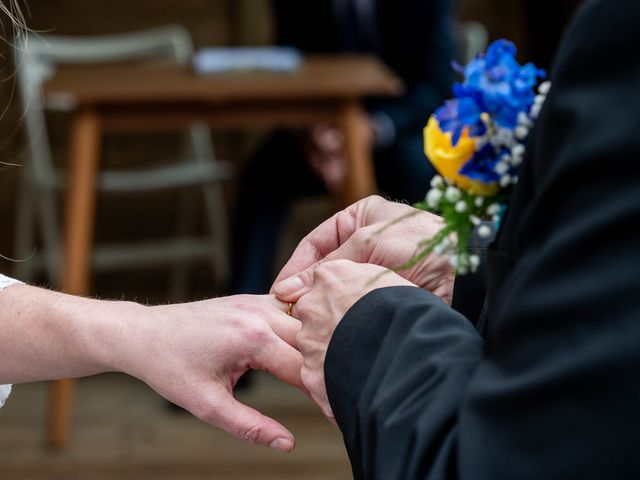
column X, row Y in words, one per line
column 208, row 20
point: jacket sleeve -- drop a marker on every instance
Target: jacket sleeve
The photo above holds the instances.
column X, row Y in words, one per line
column 396, row 370
column 552, row 392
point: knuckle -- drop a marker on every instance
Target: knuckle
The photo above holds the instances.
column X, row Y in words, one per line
column 323, row 269
column 251, row 435
column 301, row 309
column 306, row 377
column 311, row 381
column 373, row 199
column 371, row 203
column 302, row 337
column 307, row 276
column 244, row 300
column 365, row 238
column 329, row 270
column 361, row 236
column 247, row 305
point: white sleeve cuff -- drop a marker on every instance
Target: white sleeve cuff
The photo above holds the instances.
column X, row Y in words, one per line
column 7, row 282
column 5, row 390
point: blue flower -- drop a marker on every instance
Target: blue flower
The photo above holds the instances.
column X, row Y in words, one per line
column 496, row 84
column 457, row 114
column 499, row 84
column 482, row 165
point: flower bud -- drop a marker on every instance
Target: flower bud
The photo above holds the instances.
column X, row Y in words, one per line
column 433, row 198
column 461, row 207
column 452, row 194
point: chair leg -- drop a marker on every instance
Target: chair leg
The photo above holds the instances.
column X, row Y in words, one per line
column 85, row 139
column 61, row 407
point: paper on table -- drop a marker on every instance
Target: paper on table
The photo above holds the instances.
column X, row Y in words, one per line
column 273, row 59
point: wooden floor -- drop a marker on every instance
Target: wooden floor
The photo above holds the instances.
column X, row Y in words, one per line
column 123, row 430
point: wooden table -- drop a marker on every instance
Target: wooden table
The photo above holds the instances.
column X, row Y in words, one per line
column 135, row 98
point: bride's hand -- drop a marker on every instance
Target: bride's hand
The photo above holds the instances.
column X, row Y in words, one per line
column 193, row 354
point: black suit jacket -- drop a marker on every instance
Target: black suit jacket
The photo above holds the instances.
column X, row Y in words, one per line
column 413, row 37
column 552, row 389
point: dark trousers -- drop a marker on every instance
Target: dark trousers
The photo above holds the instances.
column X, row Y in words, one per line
column 278, row 175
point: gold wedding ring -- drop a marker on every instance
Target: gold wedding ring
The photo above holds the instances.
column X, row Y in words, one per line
column 290, row 309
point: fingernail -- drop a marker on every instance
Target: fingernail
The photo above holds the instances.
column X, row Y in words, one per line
column 289, row 286
column 282, row 444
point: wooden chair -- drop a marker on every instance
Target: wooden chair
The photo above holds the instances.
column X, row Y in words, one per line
column 37, row 58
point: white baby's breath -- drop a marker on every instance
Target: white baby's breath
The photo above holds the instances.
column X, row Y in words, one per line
column 452, row 194
column 484, row 231
column 433, row 198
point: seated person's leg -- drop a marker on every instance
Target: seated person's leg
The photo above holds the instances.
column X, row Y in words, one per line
column 276, row 176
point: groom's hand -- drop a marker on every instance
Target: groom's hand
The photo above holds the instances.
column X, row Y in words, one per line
column 193, row 354
column 331, row 291
column 373, row 231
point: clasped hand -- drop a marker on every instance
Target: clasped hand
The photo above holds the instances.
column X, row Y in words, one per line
column 348, row 256
column 193, row 354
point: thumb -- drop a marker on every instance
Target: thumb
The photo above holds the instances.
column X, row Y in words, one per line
column 281, row 360
column 244, row 422
column 293, row 288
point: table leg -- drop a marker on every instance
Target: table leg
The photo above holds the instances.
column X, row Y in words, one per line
column 85, row 140
column 360, row 181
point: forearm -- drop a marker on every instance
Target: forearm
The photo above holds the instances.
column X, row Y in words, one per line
column 47, row 335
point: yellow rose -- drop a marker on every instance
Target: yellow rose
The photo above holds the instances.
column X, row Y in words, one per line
column 448, row 160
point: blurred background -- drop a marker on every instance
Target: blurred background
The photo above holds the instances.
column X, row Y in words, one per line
column 120, row 428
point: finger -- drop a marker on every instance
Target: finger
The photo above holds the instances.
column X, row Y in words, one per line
column 320, row 242
column 331, row 234
column 225, row 412
column 272, row 300
column 277, row 316
column 281, row 360
column 293, row 288
column 286, row 327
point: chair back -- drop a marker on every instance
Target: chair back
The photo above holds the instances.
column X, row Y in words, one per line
column 37, row 57
column 172, row 42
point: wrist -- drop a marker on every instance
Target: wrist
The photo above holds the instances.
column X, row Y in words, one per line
column 113, row 333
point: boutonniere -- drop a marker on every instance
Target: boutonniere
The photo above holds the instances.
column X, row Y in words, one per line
column 476, row 141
